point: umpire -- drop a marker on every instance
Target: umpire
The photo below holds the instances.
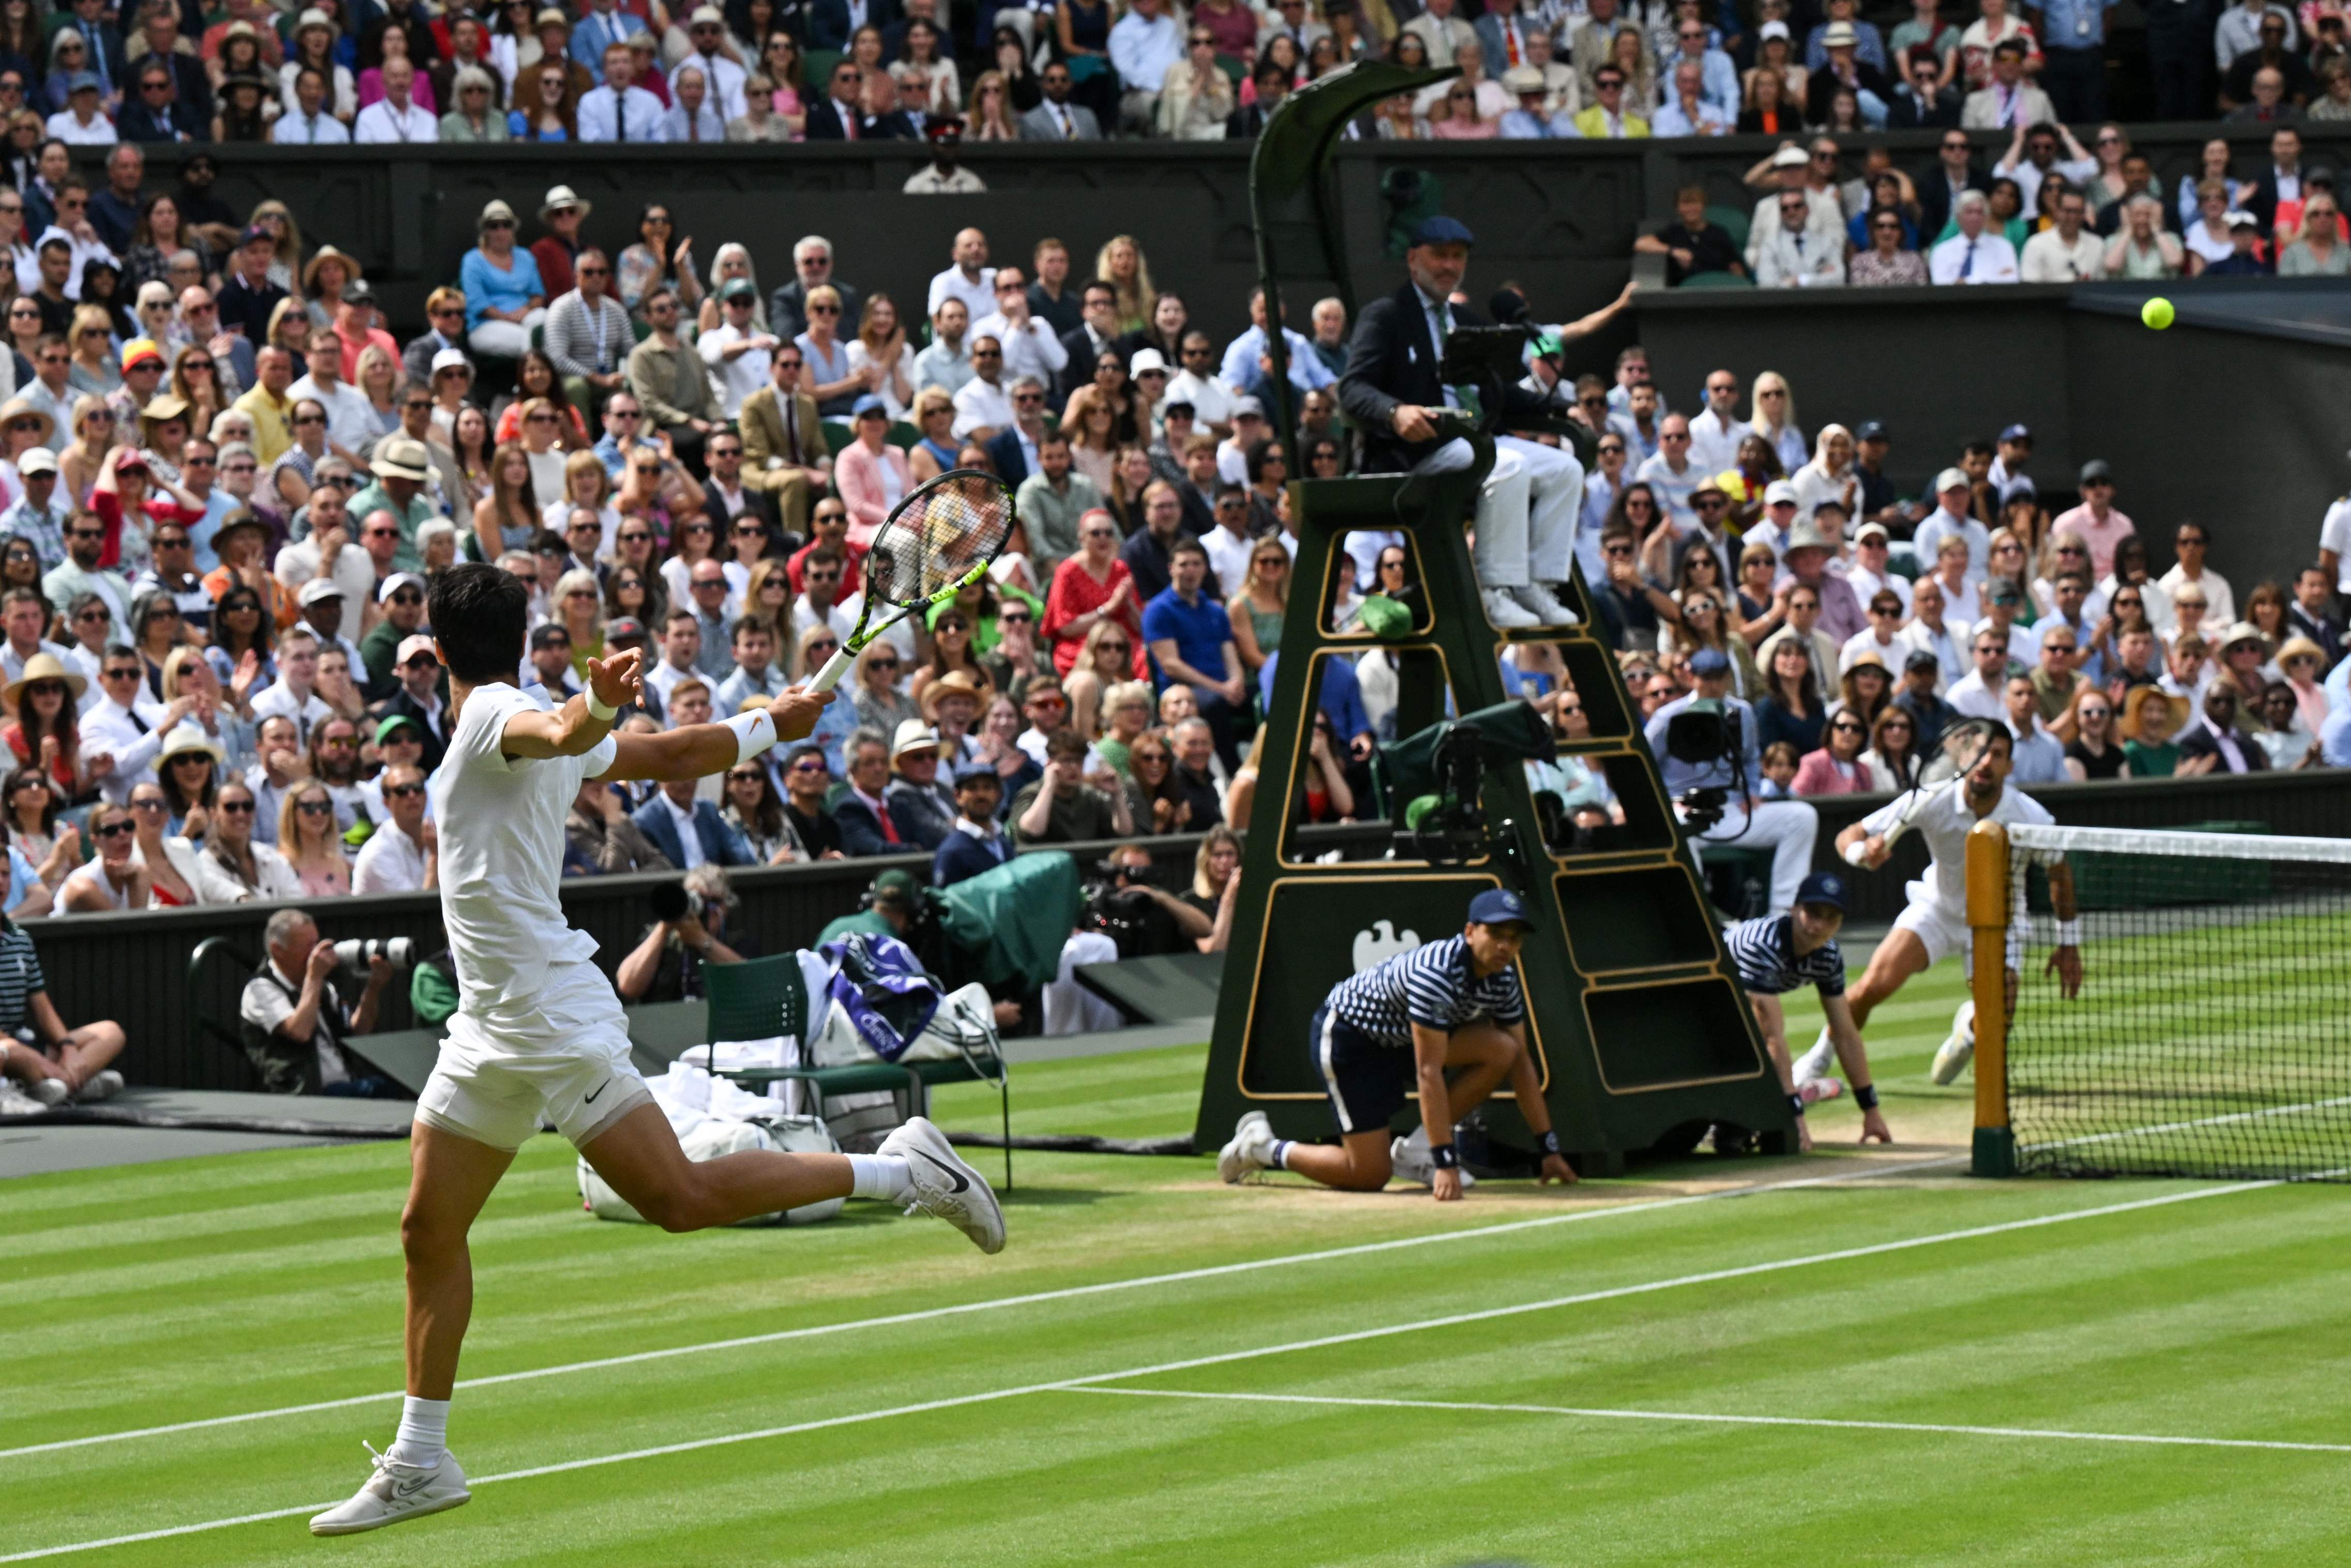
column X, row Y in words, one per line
column 1528, row 509
column 1396, row 1028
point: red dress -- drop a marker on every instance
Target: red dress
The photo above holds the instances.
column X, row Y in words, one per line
column 1074, row 593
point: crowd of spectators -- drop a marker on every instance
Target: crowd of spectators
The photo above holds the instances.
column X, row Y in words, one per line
column 374, row 71
column 2046, row 210
column 1857, row 621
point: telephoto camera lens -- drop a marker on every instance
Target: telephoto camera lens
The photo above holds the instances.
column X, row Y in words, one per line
column 355, row 954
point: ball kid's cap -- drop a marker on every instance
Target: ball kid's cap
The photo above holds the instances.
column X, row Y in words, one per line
column 1499, row 906
column 1822, row 887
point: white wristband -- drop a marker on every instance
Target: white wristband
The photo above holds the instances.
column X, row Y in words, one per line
column 2069, row 934
column 755, row 732
column 597, row 708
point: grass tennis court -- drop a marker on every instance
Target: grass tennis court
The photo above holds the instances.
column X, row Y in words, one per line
column 1677, row 1389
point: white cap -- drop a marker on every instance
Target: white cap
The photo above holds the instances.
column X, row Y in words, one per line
column 1779, row 490
column 319, row 587
column 1147, row 359
column 416, row 643
column 1951, row 480
column 452, row 359
column 37, row 460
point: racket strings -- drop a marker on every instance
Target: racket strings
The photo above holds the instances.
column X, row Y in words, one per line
column 933, row 542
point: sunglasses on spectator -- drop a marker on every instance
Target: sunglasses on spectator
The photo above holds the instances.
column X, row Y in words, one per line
column 235, row 808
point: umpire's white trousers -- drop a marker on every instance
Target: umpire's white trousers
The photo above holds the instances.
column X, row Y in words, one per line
column 1527, row 511
column 1787, row 828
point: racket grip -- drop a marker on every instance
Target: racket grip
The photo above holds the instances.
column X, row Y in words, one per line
column 834, row 668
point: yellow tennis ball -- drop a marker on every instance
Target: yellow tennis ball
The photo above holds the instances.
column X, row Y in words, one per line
column 2156, row 313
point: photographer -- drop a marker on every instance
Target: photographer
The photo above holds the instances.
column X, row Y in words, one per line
column 293, row 1024
column 1144, row 919
column 1786, row 828
column 689, row 917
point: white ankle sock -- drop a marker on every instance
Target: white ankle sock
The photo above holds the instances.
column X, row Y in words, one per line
column 1277, row 1157
column 424, row 1432
column 884, row 1176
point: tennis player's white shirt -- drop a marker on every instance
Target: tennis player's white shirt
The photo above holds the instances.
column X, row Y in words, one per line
column 537, row 1027
column 1938, row 911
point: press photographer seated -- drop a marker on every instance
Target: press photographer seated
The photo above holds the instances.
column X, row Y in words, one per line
column 687, row 932
column 293, row 1024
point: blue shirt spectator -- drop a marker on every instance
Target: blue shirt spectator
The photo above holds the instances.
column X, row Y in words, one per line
column 1198, row 627
column 1242, row 373
column 511, row 287
column 1342, row 697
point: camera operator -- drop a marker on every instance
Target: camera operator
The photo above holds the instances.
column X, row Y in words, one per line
column 1786, row 828
column 689, row 918
column 1144, row 918
column 294, row 1025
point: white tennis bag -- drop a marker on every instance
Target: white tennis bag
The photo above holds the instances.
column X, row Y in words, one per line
column 712, row 1137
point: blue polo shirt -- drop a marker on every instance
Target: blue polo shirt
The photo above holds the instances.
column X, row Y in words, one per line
column 1200, row 630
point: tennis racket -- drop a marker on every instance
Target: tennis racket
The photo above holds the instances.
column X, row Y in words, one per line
column 1956, row 755
column 936, row 542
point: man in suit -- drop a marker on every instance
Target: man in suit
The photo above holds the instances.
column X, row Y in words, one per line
column 1013, row 449
column 152, row 111
column 867, row 824
column 159, row 23
column 689, row 832
column 1526, row 509
column 838, row 116
column 976, row 843
column 783, row 446
column 1918, row 104
column 1941, row 187
column 812, row 267
column 1096, row 333
column 922, row 809
column 1057, row 119
column 2285, row 179
column 832, row 23
column 2214, row 737
column 2008, row 100
column 728, row 495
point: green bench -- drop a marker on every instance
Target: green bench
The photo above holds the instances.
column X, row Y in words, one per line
column 761, row 998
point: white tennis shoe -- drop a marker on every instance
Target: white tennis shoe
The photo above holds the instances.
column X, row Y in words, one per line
column 395, row 1492
column 1951, row 1057
column 1545, row 605
column 1817, row 1062
column 1816, row 1089
column 1250, row 1148
column 1503, row 609
column 1408, row 1158
column 104, row 1084
column 945, row 1187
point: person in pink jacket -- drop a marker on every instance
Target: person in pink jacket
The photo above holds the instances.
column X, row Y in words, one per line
column 871, row 472
column 1836, row 768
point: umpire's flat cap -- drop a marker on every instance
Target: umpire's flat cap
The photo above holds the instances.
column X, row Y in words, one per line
column 1442, row 230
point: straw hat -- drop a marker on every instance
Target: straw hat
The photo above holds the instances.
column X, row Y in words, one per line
column 955, row 683
column 188, row 738
column 2300, row 648
column 44, row 667
column 2246, row 632
column 163, row 406
column 2139, row 699
column 18, row 408
column 329, row 253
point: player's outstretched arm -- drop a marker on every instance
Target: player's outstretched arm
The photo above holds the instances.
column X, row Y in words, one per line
column 698, row 751
column 2065, row 958
column 573, row 730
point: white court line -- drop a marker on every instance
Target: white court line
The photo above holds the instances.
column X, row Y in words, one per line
column 1711, row 1418
column 1033, row 1298
column 1068, row 1383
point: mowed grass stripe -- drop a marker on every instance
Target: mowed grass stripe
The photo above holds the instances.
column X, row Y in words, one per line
column 598, row 1430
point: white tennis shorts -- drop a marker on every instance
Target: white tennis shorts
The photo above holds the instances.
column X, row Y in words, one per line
column 1943, row 932
column 498, row 1092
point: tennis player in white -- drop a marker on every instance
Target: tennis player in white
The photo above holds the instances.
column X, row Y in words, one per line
column 539, row 1032
column 1934, row 926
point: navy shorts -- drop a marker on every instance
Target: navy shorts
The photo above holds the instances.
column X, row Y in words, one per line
column 1368, row 1083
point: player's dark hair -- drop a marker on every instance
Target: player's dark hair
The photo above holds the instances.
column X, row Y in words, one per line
column 481, row 615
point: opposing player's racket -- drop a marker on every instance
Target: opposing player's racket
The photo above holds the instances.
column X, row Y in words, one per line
column 937, row 541
column 1956, row 755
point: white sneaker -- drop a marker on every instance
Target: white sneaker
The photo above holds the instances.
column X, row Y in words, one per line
column 104, row 1084
column 395, row 1492
column 1505, row 611
column 1250, row 1148
column 1817, row 1062
column 1545, row 605
column 1408, row 1158
column 1816, row 1089
column 1951, row 1057
column 945, row 1186
column 49, row 1091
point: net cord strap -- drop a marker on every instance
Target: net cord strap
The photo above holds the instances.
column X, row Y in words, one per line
column 2197, row 846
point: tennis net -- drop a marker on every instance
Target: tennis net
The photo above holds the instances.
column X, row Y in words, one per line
column 2212, row 1033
